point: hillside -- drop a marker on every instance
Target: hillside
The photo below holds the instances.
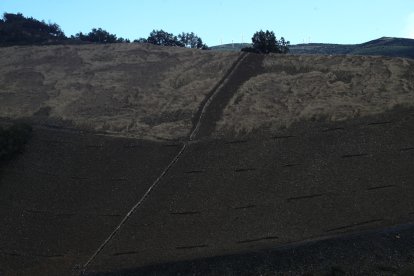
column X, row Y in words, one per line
column 140, row 91
column 230, row 47
column 317, row 88
column 150, row 92
column 145, row 157
column 385, row 46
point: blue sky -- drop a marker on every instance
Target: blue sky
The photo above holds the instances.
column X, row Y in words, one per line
column 224, row 21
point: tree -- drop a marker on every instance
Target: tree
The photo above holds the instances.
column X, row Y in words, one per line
column 163, row 38
column 15, row 29
column 140, row 40
column 191, row 40
column 97, row 35
column 123, row 40
column 266, row 42
column 284, row 45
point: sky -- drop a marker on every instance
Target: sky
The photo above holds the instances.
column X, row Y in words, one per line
column 226, row 21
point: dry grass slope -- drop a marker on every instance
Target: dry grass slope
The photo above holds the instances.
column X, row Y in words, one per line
column 333, row 88
column 149, row 92
column 131, row 90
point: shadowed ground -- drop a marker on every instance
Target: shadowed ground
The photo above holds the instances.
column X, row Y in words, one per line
column 310, row 181
column 385, row 252
column 66, row 193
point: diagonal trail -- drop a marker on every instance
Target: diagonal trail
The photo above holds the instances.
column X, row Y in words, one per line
column 198, row 120
column 251, row 67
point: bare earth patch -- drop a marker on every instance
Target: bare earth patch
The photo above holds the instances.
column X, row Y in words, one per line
column 140, row 91
column 333, row 88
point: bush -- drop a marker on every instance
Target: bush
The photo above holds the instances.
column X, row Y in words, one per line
column 13, row 139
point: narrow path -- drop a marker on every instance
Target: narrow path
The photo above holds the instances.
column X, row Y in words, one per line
column 205, row 104
column 249, row 67
column 200, row 118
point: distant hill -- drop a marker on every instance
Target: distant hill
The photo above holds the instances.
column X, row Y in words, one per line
column 384, row 46
column 230, row 47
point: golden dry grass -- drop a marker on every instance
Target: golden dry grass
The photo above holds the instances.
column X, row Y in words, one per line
column 133, row 90
column 296, row 88
column 151, row 92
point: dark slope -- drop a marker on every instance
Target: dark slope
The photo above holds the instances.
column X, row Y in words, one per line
column 66, row 193
column 386, row 252
column 310, row 181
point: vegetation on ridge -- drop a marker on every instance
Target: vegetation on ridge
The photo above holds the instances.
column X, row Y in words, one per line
column 16, row 29
column 163, row 38
column 99, row 36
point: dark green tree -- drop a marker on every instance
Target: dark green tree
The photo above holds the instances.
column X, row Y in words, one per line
column 284, row 45
column 191, row 40
column 15, row 29
column 98, row 36
column 123, row 40
column 265, row 42
column 140, row 40
column 163, row 38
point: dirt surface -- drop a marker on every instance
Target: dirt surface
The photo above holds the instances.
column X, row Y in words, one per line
column 131, row 90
